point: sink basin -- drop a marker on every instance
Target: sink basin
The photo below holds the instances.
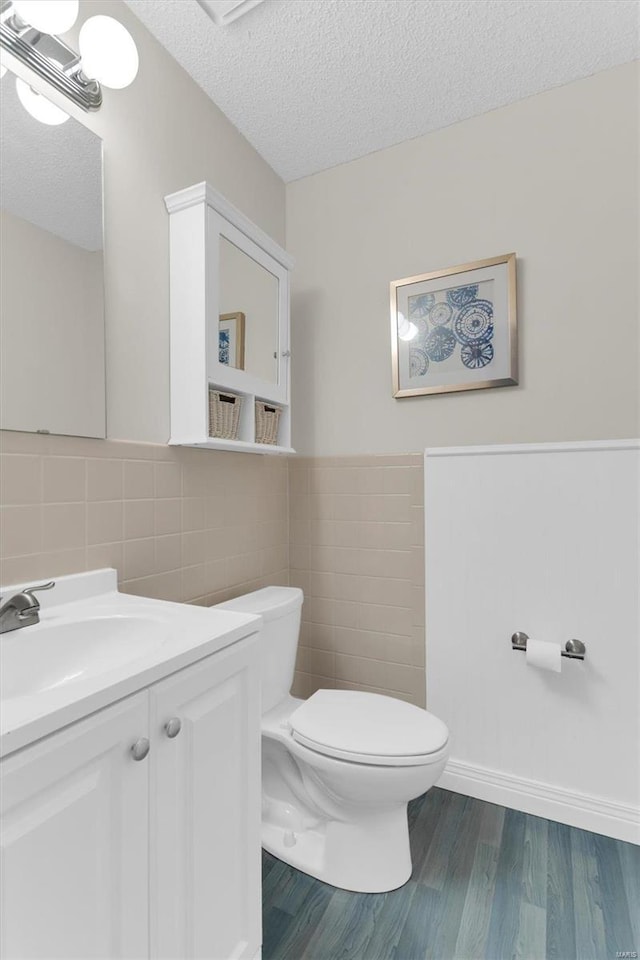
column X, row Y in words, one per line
column 94, row 646
column 52, row 655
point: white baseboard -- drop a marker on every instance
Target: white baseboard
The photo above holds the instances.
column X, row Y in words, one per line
column 617, row 820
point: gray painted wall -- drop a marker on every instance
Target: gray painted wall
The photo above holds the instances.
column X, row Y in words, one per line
column 553, row 178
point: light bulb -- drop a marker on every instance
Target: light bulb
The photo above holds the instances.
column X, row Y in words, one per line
column 406, row 329
column 48, row 16
column 108, row 51
column 38, row 105
column 410, row 332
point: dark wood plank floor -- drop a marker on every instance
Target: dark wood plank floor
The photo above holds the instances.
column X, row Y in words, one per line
column 487, row 883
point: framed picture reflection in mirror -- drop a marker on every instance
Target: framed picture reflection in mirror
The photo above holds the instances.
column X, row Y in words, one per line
column 231, row 339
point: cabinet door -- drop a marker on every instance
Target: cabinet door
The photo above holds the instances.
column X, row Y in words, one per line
column 75, row 841
column 205, row 809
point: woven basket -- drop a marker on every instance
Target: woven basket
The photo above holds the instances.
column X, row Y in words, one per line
column 224, row 414
column 267, row 422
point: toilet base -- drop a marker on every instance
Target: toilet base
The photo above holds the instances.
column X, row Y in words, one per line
column 367, row 855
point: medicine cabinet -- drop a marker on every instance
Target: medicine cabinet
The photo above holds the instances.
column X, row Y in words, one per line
column 229, row 324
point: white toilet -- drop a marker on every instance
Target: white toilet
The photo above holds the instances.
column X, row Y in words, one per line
column 339, row 768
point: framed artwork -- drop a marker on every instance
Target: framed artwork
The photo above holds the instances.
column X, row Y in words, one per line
column 455, row 329
column 231, row 340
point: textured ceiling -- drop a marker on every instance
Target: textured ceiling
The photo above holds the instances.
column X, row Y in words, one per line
column 50, row 176
column 314, row 83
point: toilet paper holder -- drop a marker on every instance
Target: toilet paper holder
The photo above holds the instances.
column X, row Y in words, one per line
column 573, row 649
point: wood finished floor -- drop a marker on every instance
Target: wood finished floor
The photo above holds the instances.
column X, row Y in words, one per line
column 487, row 883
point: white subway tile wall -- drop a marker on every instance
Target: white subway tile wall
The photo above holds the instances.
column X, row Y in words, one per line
column 356, row 549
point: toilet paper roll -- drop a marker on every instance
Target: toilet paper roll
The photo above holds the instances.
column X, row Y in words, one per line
column 544, row 655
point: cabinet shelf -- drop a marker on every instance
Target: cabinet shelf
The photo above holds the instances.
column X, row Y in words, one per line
column 238, row 446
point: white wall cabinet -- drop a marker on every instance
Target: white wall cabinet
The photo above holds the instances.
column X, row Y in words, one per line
column 202, row 225
column 105, row 856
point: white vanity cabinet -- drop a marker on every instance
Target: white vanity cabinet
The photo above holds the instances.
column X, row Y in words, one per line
column 108, row 856
column 75, row 843
column 229, row 306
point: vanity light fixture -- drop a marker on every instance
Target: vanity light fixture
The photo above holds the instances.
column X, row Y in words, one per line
column 108, row 55
column 108, row 52
column 39, row 106
column 48, row 16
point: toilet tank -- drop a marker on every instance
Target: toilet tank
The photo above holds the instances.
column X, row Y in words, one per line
column 280, row 609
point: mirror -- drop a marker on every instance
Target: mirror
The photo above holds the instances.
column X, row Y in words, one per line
column 52, row 360
column 249, row 314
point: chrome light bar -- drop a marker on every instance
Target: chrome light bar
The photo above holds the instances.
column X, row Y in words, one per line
column 38, row 51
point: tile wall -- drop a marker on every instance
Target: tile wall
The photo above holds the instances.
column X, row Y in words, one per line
column 356, row 549
column 202, row 526
column 178, row 524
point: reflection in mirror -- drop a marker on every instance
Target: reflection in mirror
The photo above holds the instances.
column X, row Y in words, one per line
column 248, row 323
column 52, row 301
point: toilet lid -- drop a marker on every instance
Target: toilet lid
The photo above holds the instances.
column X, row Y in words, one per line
column 367, row 728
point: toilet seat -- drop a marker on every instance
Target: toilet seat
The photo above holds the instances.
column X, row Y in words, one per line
column 368, row 728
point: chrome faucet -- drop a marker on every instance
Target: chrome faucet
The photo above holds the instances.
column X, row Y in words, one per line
column 23, row 609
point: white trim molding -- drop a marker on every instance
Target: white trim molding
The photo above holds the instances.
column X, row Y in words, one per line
column 500, row 449
column 597, row 814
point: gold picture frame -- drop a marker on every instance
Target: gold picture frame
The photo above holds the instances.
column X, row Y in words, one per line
column 448, row 327
column 231, row 339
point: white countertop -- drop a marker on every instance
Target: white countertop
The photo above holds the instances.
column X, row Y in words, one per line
column 186, row 633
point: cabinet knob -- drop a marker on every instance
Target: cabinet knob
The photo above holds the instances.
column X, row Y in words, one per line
column 140, row 748
column 173, row 727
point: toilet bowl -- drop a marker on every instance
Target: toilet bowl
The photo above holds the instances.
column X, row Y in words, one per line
column 338, row 769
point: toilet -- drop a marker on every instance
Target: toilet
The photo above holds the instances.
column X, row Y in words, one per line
column 338, row 769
